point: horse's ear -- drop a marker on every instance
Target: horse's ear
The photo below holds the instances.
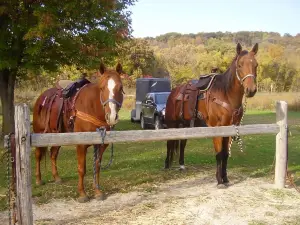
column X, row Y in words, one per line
column 238, row 48
column 119, row 68
column 255, row 48
column 102, row 68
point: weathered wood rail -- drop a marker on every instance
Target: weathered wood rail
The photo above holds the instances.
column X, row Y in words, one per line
column 25, row 140
column 53, row 139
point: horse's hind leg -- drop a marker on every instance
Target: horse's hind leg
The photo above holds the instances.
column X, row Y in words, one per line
column 53, row 155
column 181, row 155
column 170, row 146
column 39, row 153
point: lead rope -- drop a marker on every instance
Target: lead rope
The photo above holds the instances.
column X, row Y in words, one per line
column 238, row 137
column 102, row 131
column 111, row 153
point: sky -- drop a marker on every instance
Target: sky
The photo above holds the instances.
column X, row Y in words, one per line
column 151, row 18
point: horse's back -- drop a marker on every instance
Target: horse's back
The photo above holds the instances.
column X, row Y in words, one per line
column 42, row 108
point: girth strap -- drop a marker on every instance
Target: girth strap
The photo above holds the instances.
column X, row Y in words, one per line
column 223, row 104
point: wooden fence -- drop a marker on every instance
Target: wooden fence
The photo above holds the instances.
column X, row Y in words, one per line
column 25, row 140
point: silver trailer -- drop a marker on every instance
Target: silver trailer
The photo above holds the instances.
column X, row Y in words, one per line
column 144, row 86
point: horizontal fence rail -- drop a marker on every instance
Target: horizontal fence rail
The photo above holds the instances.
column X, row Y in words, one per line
column 62, row 139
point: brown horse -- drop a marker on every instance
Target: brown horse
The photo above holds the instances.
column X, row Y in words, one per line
column 94, row 105
column 219, row 105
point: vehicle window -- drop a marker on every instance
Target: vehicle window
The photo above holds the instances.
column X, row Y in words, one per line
column 161, row 98
column 147, row 97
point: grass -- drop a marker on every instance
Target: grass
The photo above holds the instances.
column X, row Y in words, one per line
column 267, row 101
column 142, row 163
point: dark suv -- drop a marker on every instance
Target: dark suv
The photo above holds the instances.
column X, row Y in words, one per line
column 153, row 110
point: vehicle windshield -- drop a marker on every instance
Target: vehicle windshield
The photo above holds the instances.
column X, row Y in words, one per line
column 161, row 98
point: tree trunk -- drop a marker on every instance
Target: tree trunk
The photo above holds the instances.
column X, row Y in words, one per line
column 7, row 87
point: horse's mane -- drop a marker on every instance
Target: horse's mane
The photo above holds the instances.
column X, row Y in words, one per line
column 224, row 81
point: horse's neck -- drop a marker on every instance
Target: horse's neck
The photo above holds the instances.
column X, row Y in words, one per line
column 235, row 91
column 91, row 101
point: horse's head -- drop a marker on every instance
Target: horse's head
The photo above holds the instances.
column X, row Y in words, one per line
column 111, row 92
column 246, row 66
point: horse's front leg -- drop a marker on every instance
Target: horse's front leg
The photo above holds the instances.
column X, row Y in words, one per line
column 99, row 195
column 225, row 153
column 81, row 159
column 219, row 158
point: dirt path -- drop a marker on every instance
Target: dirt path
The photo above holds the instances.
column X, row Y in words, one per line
column 188, row 201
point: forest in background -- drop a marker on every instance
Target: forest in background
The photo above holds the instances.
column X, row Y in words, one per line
column 187, row 56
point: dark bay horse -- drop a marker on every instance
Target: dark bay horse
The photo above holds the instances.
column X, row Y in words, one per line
column 94, row 105
column 220, row 105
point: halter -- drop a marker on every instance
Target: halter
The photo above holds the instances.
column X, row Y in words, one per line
column 109, row 100
column 241, row 80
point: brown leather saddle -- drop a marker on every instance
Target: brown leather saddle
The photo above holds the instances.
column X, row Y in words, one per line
column 190, row 92
column 59, row 101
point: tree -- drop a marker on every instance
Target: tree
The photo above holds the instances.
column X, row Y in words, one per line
column 47, row 34
column 136, row 54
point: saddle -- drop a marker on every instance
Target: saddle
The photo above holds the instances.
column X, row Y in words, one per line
column 190, row 92
column 60, row 101
column 205, row 82
column 69, row 88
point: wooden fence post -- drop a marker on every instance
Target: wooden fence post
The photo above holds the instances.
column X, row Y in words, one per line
column 281, row 144
column 23, row 165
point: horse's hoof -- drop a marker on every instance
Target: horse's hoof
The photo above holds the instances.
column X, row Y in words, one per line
column 83, row 199
column 58, row 181
column 40, row 183
column 221, row 186
column 182, row 168
column 227, row 184
column 100, row 197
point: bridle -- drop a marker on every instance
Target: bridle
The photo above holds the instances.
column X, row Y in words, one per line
column 241, row 80
column 119, row 104
column 103, row 103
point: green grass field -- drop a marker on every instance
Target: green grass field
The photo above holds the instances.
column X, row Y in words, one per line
column 142, row 163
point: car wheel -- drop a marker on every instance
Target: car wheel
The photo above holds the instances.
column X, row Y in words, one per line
column 157, row 123
column 143, row 126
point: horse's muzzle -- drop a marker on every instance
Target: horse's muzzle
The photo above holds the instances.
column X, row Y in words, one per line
column 249, row 92
column 111, row 119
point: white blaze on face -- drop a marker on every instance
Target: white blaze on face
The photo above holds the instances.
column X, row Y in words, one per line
column 112, row 106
